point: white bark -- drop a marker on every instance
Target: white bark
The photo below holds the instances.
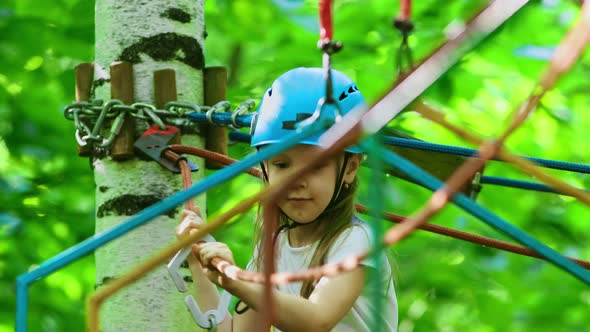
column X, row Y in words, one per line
column 153, row 303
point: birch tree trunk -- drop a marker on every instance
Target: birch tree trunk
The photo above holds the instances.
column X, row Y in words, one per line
column 152, row 35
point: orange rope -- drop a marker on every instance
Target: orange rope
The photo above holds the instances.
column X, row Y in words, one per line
column 232, row 271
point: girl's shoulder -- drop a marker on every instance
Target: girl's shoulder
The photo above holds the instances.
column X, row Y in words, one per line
column 359, row 230
column 356, row 239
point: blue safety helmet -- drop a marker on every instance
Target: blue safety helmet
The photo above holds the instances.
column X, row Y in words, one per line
column 294, row 96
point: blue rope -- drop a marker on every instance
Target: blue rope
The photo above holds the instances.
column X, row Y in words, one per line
column 222, row 118
column 420, row 145
column 454, row 150
column 89, row 245
column 243, row 137
column 495, row 180
column 432, row 183
column 239, row 136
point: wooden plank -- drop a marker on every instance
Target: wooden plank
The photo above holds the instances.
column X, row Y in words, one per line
column 84, row 74
column 164, row 92
column 122, row 89
column 215, row 91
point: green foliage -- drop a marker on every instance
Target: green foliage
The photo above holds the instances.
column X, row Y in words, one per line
column 443, row 284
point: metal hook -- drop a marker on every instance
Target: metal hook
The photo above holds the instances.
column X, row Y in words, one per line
column 211, row 318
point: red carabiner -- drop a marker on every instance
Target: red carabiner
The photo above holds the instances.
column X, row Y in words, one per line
column 326, row 28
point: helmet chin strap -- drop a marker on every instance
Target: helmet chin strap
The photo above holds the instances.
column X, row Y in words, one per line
column 339, row 181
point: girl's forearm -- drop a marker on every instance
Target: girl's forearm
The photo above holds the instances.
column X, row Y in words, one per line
column 292, row 313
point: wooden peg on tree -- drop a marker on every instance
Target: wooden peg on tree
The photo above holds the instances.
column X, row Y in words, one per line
column 122, row 89
column 84, row 73
column 164, row 92
column 215, row 91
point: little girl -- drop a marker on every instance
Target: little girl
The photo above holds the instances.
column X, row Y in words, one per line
column 316, row 225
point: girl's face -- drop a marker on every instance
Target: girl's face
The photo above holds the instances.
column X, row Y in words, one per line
column 310, row 194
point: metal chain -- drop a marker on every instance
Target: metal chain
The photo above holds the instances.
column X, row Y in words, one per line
column 90, row 117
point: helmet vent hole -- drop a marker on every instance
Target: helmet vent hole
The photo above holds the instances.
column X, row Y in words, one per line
column 350, row 90
column 269, row 92
column 342, row 95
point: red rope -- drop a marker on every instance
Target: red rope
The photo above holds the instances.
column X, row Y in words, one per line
column 185, row 171
column 405, row 9
column 326, row 26
column 269, row 227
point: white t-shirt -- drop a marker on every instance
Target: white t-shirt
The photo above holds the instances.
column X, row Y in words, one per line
column 353, row 241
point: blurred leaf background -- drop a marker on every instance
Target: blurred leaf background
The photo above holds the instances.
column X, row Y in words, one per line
column 47, row 199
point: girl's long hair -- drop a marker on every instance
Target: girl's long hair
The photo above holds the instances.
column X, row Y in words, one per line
column 335, row 219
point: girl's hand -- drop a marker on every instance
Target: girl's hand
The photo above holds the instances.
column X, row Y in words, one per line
column 191, row 221
column 206, row 252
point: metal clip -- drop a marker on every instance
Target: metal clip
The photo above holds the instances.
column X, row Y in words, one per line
column 242, row 109
column 211, row 318
column 174, row 264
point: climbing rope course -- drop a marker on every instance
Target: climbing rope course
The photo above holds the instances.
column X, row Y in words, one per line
column 92, row 119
